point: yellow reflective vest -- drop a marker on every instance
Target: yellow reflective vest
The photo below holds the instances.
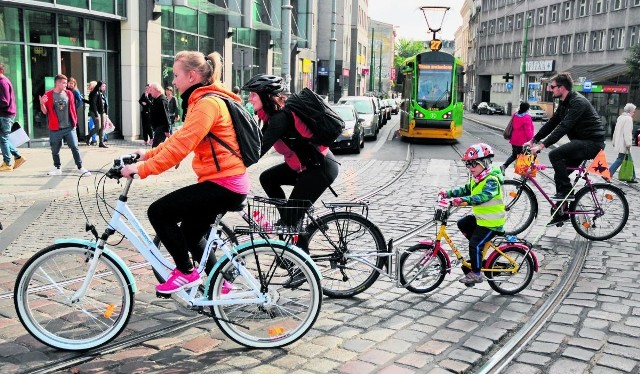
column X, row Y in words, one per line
column 490, row 214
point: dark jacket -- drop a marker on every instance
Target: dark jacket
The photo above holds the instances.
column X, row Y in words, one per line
column 576, row 118
column 96, row 100
column 145, row 103
column 159, row 114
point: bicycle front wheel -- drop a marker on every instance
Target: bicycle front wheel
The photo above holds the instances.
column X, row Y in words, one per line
column 349, row 250
column 45, row 288
column 501, row 273
column 521, row 206
column 602, row 211
column 292, row 290
column 421, row 270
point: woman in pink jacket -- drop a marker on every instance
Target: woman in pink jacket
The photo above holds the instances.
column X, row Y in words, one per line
column 522, row 132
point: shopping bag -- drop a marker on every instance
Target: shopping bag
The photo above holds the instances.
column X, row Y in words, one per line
column 524, row 161
column 109, row 127
column 626, row 169
column 18, row 136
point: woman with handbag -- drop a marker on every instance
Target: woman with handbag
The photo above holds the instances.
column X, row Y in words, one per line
column 622, row 140
column 522, row 131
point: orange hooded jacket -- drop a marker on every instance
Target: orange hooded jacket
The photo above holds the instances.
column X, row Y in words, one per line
column 207, row 115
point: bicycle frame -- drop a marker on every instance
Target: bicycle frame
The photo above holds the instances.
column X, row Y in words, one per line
column 124, row 221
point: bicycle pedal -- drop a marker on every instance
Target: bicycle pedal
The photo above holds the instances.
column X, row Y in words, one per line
column 161, row 295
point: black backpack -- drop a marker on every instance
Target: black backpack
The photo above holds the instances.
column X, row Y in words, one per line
column 323, row 122
column 247, row 130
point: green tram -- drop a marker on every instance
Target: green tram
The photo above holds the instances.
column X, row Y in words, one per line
column 433, row 96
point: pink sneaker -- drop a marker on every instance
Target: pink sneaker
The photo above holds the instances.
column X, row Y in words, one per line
column 178, row 281
column 226, row 287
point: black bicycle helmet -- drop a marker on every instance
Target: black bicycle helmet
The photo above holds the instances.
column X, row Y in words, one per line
column 266, row 83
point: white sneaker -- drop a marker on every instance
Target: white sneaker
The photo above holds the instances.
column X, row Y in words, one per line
column 55, row 171
column 84, row 172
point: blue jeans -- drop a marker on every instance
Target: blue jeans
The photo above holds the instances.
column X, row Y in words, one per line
column 5, row 145
column 616, row 164
column 69, row 136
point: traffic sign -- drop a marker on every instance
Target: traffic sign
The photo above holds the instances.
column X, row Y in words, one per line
column 509, row 86
column 586, row 86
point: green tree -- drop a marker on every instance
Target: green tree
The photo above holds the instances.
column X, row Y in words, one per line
column 406, row 48
column 633, row 62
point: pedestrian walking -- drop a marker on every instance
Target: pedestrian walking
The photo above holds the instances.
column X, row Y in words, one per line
column 159, row 115
column 172, row 107
column 7, row 117
column 623, row 139
column 79, row 100
column 145, row 120
column 97, row 110
column 522, row 125
column 59, row 106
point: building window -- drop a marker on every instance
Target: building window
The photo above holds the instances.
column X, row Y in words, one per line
column 517, row 49
column 636, row 2
column 519, row 20
column 507, row 50
column 529, row 18
column 597, row 40
column 600, row 6
column 616, row 38
column 498, row 51
column 483, row 54
column 483, row 29
column 500, row 24
column 581, row 42
column 492, row 27
column 490, row 52
column 509, row 23
column 633, row 35
column 583, row 8
column 539, row 47
column 554, row 13
column 619, row 4
column 542, row 12
column 565, row 44
column 552, row 46
column 567, row 10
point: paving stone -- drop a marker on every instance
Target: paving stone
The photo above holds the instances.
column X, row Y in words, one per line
column 201, row 344
column 395, row 369
column 377, row 334
column 454, row 366
column 624, row 351
column 433, row 347
column 617, row 362
column 578, row 353
column 541, row 347
column 478, row 344
column 592, row 334
column 586, row 343
column 449, row 335
column 357, row 367
column 417, row 360
column 562, row 329
column 565, row 318
column 357, row 345
column 522, row 369
column 605, row 370
column 623, row 340
column 322, row 365
column 376, row 356
column 463, row 325
column 465, row 355
column 614, row 317
column 493, row 334
column 533, row 359
column 564, row 366
column 594, row 323
column 290, row 361
column 551, row 337
column 394, row 345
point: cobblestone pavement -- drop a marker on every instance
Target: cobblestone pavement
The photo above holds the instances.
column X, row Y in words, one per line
column 385, row 329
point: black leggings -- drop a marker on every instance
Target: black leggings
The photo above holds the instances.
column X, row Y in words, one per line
column 478, row 236
column 307, row 185
column 196, row 207
column 515, row 151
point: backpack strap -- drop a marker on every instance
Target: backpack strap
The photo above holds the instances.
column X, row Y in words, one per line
column 211, row 135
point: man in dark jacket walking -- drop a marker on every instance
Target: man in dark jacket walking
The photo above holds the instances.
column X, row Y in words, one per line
column 579, row 120
column 159, row 114
column 145, row 120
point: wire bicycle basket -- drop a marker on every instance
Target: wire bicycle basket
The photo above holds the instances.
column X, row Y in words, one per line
column 276, row 216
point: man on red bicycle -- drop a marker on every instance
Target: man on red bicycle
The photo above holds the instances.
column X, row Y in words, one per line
column 579, row 120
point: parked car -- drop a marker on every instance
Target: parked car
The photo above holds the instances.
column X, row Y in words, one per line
column 498, row 108
column 368, row 109
column 387, row 107
column 484, row 108
column 352, row 138
column 537, row 113
column 383, row 111
column 395, row 108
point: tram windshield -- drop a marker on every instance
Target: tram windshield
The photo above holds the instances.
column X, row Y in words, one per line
column 434, row 85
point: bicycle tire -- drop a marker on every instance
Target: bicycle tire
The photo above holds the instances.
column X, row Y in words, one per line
column 51, row 277
column 419, row 277
column 615, row 208
column 294, row 302
column 226, row 234
column 343, row 277
column 521, row 206
column 500, row 281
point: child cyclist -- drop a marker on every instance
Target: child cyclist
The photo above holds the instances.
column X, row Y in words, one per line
column 484, row 194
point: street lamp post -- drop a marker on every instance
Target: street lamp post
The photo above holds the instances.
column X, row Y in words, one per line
column 523, row 69
column 380, row 70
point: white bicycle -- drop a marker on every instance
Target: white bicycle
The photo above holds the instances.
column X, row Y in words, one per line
column 78, row 294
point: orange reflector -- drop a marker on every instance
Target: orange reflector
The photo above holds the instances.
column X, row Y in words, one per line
column 275, row 331
column 109, row 312
column 513, row 194
column 586, row 224
column 608, row 196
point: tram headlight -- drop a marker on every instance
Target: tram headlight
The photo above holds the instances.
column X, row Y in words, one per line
column 418, row 114
column 447, row 115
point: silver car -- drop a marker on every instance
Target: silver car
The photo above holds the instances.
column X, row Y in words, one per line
column 537, row 113
column 367, row 110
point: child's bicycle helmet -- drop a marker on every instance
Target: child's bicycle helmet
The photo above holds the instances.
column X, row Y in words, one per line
column 478, row 152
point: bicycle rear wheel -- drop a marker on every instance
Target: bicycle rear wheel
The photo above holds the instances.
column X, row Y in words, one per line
column 347, row 248
column 294, row 297
column 521, row 206
column 48, row 281
column 500, row 273
column 420, row 270
column 604, row 208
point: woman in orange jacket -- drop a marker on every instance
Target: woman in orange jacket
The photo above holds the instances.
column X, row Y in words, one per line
column 223, row 182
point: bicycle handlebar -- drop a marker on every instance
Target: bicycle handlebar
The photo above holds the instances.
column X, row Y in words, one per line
column 119, row 163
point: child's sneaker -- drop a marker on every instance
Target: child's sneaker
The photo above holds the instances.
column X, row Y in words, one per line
column 471, row 278
column 226, row 287
column 178, row 281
